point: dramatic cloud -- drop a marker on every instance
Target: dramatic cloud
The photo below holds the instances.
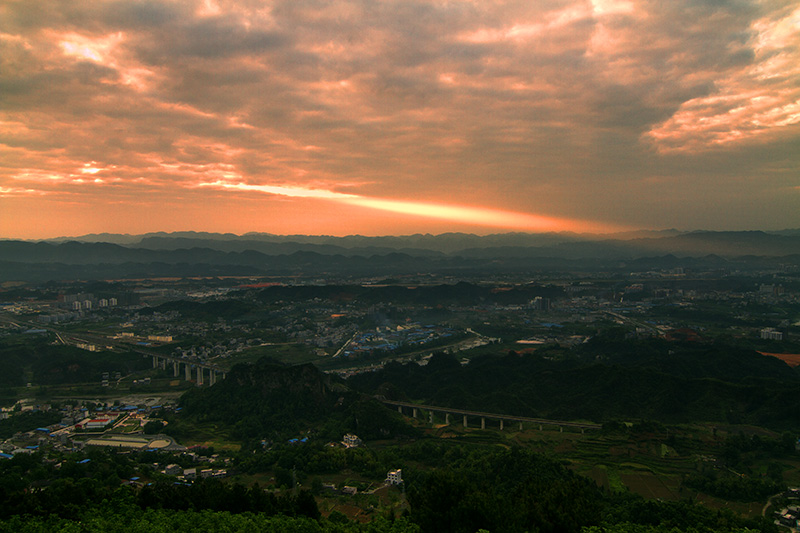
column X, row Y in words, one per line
column 755, row 99
column 411, row 115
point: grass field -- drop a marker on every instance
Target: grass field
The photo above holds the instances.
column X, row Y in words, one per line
column 208, row 435
column 743, row 508
column 129, row 426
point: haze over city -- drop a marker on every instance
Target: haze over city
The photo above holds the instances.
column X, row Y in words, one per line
column 398, row 117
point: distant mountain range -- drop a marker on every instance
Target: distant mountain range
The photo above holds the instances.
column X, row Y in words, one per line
column 573, row 245
column 352, row 244
column 191, row 253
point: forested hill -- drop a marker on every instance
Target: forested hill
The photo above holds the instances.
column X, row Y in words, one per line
column 267, row 400
column 35, row 359
column 604, row 381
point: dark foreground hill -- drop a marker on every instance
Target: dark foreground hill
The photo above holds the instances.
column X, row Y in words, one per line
column 267, row 400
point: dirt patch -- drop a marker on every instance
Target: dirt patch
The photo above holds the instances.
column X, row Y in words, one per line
column 791, row 359
column 351, row 512
column 565, row 446
column 648, row 485
column 621, row 451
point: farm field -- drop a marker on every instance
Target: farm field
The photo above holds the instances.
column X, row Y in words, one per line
column 650, row 486
column 653, row 465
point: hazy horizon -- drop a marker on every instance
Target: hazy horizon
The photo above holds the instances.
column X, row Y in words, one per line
column 398, row 235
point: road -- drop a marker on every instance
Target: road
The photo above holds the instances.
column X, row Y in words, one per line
column 345, row 345
column 769, row 502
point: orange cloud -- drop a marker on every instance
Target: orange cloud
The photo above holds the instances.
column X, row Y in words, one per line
column 559, row 107
column 106, row 51
column 17, row 191
column 750, row 103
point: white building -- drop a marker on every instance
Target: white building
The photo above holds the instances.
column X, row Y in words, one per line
column 173, row 470
column 771, row 334
column 351, row 441
column 394, row 477
column 98, row 423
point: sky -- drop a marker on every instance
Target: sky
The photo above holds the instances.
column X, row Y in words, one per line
column 381, row 117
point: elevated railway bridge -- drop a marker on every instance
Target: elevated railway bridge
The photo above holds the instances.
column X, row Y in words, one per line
column 446, row 412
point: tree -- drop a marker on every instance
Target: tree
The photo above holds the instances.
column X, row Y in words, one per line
column 153, row 427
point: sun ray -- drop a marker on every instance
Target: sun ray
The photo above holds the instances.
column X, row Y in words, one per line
column 471, row 215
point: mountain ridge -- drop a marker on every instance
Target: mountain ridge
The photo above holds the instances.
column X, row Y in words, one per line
column 627, row 244
column 165, row 255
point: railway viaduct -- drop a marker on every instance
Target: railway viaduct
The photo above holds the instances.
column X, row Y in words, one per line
column 502, row 419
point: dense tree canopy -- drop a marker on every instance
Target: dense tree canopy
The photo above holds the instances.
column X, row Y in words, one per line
column 604, row 380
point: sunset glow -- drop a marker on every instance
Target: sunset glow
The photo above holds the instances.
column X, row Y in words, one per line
column 472, row 215
column 398, row 117
column 478, row 216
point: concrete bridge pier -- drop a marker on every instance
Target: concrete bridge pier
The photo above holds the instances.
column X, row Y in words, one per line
column 187, row 371
column 400, row 409
column 176, row 369
column 540, row 427
column 199, row 376
column 155, row 361
column 414, row 413
column 212, row 377
column 483, row 423
column 430, row 417
column 501, row 424
column 447, row 419
column 465, row 421
column 560, row 429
